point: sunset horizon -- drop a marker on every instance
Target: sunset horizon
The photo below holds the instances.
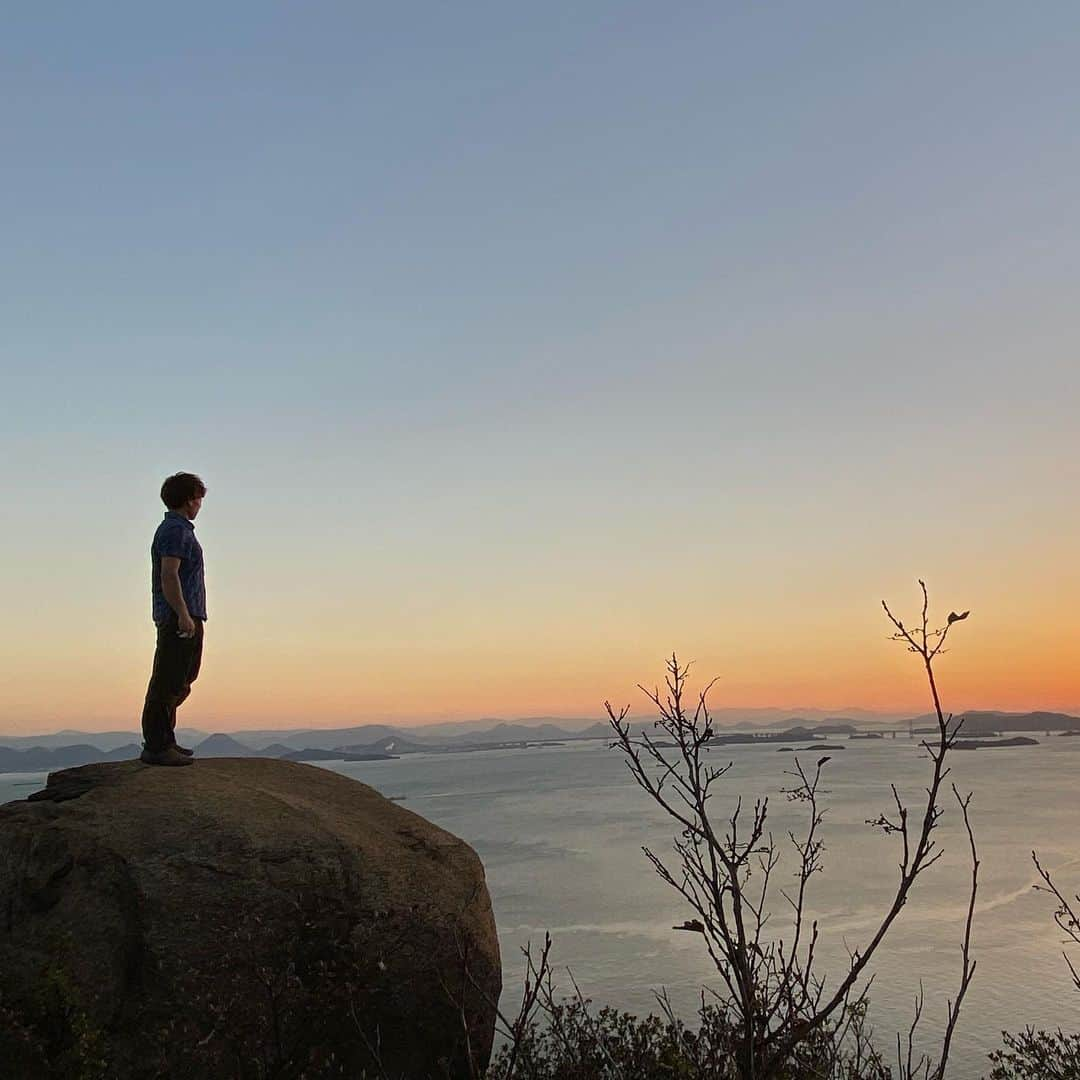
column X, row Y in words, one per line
column 389, row 393
column 514, row 363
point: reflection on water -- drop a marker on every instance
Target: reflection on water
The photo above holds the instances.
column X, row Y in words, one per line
column 560, row 832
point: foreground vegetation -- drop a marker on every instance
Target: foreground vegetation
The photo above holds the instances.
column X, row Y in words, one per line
column 773, row 1015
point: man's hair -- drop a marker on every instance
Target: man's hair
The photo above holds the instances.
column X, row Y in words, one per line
column 179, row 488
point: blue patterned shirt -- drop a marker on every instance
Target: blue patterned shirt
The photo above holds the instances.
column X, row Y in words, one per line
column 175, row 537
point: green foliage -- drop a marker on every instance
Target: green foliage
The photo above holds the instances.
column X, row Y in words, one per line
column 1037, row 1055
column 576, row 1043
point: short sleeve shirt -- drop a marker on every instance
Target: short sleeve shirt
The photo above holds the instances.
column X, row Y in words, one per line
column 175, row 537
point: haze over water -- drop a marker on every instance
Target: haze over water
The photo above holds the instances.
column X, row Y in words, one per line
column 560, row 831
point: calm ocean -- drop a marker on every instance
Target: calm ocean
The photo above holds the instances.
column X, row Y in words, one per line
column 560, row 831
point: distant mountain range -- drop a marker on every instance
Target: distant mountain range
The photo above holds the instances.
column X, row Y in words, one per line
column 988, row 722
column 67, row 749
column 49, row 759
column 327, row 738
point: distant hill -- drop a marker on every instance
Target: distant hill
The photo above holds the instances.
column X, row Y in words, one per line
column 483, row 730
column 746, row 719
column 321, row 738
column 987, row 721
column 48, row 759
column 504, row 733
column 392, row 744
column 795, row 734
column 994, row 744
column 313, row 754
column 451, row 730
column 602, row 729
column 795, row 729
column 978, row 722
column 100, row 740
column 220, row 745
column 275, row 750
column 66, row 749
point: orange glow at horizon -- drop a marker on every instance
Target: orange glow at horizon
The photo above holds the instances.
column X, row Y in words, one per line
column 301, row 682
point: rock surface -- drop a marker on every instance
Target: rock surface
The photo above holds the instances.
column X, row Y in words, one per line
column 250, row 909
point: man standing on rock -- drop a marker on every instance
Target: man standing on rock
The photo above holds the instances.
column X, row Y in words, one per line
column 179, row 605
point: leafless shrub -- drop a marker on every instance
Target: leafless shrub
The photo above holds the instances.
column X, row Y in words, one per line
column 772, row 991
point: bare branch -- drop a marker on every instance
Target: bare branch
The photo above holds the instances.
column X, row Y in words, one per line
column 726, row 868
column 1064, row 916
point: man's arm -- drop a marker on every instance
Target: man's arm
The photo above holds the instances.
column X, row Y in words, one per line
column 170, row 586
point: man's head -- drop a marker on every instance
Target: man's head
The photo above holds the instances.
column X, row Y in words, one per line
column 183, row 492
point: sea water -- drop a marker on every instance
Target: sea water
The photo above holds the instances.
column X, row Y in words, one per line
column 560, row 831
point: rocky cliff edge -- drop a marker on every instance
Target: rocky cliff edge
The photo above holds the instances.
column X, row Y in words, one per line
column 248, row 910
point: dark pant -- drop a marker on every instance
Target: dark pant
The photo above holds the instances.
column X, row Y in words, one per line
column 176, row 667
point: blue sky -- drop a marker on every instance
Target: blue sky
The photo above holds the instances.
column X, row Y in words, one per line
column 513, row 308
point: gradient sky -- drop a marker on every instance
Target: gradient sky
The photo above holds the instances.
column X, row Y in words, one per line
column 519, row 345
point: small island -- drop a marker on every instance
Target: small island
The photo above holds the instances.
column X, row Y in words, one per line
column 992, row 744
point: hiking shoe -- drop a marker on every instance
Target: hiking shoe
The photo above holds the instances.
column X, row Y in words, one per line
column 182, row 750
column 168, row 756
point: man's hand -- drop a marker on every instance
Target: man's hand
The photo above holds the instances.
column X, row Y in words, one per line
column 185, row 625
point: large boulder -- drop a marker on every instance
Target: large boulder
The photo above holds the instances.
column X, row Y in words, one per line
column 244, row 917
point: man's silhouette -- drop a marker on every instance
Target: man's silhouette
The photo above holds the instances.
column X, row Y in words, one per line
column 179, row 606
